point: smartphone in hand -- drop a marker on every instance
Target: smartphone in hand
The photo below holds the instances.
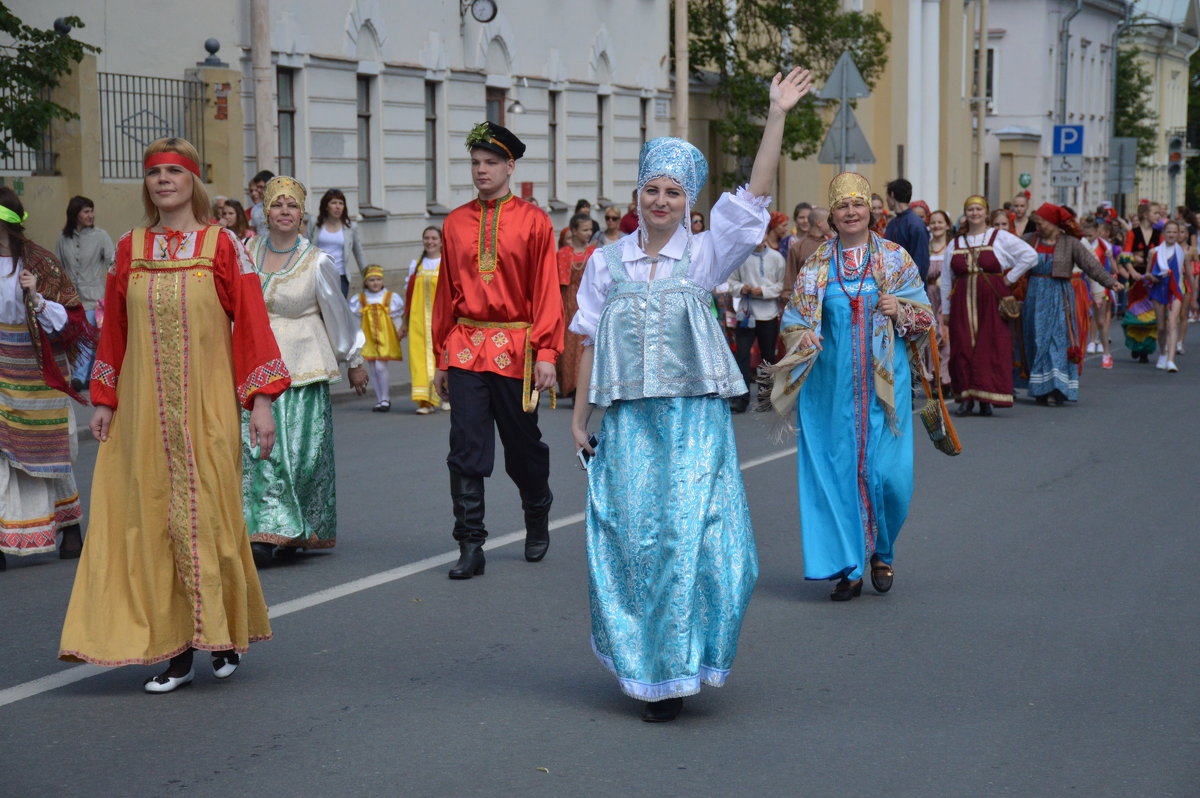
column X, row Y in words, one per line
column 582, row 454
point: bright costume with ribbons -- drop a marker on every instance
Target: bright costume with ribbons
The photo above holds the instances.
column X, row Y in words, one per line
column 670, row 571
column 852, row 400
column 38, row 441
column 166, row 563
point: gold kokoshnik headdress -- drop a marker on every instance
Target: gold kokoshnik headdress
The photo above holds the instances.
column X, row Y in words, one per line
column 284, row 186
column 847, row 186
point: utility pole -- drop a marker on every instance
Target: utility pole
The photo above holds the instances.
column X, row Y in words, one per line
column 263, row 74
column 981, row 98
column 681, row 69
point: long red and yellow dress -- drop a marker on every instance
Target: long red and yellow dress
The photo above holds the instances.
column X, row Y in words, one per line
column 166, row 562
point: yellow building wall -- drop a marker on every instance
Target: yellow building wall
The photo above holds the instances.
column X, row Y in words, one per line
column 78, row 145
column 883, row 118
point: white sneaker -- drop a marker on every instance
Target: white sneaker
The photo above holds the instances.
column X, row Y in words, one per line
column 1179, row 348
column 1091, row 350
column 1162, row 362
column 1171, row 367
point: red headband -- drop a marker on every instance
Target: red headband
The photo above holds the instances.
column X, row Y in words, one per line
column 160, row 158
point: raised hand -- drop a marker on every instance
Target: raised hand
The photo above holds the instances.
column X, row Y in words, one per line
column 786, row 92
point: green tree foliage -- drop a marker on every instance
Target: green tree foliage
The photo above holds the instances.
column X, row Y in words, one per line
column 31, row 63
column 746, row 42
column 1192, row 168
column 1135, row 118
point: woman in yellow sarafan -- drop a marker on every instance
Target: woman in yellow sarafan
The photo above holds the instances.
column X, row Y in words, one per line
column 418, row 321
column 166, row 566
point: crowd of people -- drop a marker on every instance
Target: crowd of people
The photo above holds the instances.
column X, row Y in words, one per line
column 668, row 318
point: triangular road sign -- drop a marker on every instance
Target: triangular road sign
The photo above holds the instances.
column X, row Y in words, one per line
column 845, row 77
column 845, row 129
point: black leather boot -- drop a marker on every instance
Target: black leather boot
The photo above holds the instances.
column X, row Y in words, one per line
column 470, row 560
column 72, row 543
column 537, row 525
column 469, row 531
column 262, row 553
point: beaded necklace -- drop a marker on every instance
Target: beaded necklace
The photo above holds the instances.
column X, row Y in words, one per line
column 858, row 273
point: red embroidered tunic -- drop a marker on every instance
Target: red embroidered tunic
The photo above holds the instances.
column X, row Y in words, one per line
column 498, row 285
column 257, row 365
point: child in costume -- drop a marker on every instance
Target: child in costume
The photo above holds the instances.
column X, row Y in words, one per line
column 380, row 310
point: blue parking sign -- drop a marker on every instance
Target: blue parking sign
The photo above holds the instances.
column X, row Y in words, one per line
column 1068, row 140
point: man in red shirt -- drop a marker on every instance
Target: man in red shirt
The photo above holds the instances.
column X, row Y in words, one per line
column 629, row 222
column 497, row 334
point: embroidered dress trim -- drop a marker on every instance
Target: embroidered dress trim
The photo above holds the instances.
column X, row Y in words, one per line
column 104, row 374
column 489, row 229
column 196, row 644
column 673, row 688
column 260, row 378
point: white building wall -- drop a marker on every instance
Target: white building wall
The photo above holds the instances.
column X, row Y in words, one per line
column 1027, row 87
column 408, row 43
column 617, row 48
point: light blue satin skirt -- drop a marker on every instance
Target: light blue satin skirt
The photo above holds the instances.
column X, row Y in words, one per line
column 671, row 555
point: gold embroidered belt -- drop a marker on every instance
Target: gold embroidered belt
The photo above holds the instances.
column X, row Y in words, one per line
column 529, row 400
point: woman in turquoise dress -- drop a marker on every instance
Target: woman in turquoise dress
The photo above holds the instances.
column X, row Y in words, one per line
column 858, row 302
column 671, row 557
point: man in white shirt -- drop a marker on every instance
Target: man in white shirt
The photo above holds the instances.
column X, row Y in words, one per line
column 756, row 286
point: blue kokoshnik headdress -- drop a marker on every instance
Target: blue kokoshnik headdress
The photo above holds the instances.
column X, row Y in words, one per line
column 675, row 159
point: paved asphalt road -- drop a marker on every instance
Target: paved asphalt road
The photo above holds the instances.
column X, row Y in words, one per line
column 1041, row 639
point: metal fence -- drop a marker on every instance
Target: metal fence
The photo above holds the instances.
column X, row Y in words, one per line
column 135, row 110
column 26, row 160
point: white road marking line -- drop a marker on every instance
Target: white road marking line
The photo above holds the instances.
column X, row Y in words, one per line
column 78, row 673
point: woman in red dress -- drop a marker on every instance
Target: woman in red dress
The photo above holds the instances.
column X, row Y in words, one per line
column 983, row 265
column 572, row 258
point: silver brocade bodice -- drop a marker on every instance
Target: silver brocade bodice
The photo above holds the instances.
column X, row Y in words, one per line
column 659, row 338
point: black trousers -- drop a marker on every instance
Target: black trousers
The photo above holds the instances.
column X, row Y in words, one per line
column 482, row 402
column 766, row 333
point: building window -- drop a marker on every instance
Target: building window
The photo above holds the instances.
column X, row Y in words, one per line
column 285, row 88
column 430, row 142
column 552, row 155
column 364, row 140
column 601, row 113
column 989, row 90
column 495, row 106
column 644, row 118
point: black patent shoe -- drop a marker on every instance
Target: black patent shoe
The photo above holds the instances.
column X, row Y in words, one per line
column 470, row 560
column 3, row 564
column 262, row 552
column 965, row 408
column 881, row 575
column 845, row 590
column 985, row 408
column 662, row 711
